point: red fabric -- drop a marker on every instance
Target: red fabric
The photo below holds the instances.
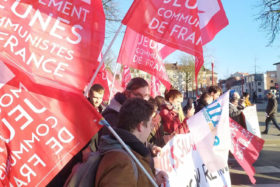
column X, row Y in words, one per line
column 198, row 64
column 152, row 19
column 54, row 42
column 51, row 124
column 170, row 119
column 246, row 148
column 214, row 22
column 185, row 128
column 126, row 76
column 140, row 52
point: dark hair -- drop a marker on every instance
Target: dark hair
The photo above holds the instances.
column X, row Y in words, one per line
column 214, row 89
column 133, row 112
column 233, row 99
column 153, row 102
column 136, row 83
column 204, row 96
column 172, row 94
column 245, row 94
column 160, row 100
column 96, row 88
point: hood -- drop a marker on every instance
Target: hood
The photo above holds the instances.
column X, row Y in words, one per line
column 108, row 142
column 117, row 101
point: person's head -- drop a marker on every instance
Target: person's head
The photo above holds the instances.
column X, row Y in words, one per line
column 136, row 117
column 189, row 108
column 174, row 97
column 246, row 95
column 234, row 100
column 160, row 100
column 215, row 92
column 154, row 103
column 96, row 94
column 236, row 95
column 206, row 98
column 269, row 95
column 137, row 87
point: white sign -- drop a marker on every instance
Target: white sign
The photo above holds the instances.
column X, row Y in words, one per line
column 211, row 133
column 252, row 121
column 181, row 161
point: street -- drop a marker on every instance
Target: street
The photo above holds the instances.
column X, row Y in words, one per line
column 268, row 164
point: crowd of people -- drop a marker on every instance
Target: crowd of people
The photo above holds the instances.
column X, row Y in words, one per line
column 145, row 124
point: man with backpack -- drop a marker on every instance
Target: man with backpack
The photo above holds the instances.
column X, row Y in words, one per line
column 116, row 167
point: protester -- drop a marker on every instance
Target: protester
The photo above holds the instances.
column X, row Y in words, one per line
column 189, row 112
column 204, row 100
column 170, row 114
column 271, row 111
column 235, row 113
column 255, row 97
column 215, row 92
column 137, row 87
column 116, row 168
column 189, row 109
column 157, row 132
column 246, row 97
column 96, row 94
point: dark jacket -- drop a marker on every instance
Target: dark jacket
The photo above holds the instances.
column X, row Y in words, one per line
column 200, row 105
column 117, row 169
column 272, row 105
column 111, row 112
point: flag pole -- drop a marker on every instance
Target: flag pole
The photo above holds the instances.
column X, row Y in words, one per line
column 102, row 61
column 104, row 122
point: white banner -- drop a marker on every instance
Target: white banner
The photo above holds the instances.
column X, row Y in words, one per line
column 211, row 133
column 181, row 161
column 252, row 121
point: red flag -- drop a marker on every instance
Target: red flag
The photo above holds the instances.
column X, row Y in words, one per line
column 172, row 23
column 245, row 148
column 41, row 128
column 57, row 41
column 101, row 78
column 183, row 25
column 139, row 52
column 212, row 19
column 155, row 86
column 198, row 64
column 126, row 76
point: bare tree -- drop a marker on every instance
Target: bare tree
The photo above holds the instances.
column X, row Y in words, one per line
column 111, row 10
column 270, row 18
column 113, row 15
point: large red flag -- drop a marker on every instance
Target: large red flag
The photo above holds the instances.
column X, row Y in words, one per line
column 41, row 128
column 183, row 25
column 57, row 40
column 140, row 52
column 246, row 148
column 172, row 23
